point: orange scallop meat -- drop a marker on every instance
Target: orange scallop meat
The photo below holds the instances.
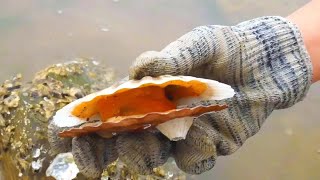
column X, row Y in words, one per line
column 142, row 104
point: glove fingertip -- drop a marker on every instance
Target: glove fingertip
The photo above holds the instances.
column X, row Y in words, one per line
column 191, row 160
column 57, row 144
column 143, row 152
column 151, row 63
column 110, row 151
column 84, row 151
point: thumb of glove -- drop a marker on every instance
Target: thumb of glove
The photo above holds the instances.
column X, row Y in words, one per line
column 153, row 63
column 180, row 57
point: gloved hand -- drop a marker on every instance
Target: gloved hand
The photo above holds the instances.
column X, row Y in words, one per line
column 141, row 152
column 263, row 59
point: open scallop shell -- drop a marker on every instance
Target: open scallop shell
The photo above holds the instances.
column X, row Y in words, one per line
column 166, row 102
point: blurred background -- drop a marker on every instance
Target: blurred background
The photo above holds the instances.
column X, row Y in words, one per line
column 37, row 33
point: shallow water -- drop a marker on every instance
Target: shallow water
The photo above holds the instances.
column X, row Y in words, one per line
column 37, row 33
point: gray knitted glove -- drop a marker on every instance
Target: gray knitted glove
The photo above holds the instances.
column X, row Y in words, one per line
column 263, row 59
column 91, row 153
column 141, row 152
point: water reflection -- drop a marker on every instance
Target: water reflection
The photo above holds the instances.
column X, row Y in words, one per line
column 37, row 33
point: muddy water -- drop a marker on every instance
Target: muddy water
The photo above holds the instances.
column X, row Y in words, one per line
column 36, row 33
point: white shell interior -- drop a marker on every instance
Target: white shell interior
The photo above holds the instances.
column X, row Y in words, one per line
column 176, row 129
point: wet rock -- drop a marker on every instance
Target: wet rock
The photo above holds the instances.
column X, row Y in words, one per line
column 26, row 108
column 12, row 100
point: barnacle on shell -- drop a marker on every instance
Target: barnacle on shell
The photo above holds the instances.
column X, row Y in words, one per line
column 136, row 105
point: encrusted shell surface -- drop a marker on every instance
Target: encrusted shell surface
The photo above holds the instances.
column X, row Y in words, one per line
column 78, row 126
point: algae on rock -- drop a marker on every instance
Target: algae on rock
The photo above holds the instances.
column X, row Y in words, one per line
column 25, row 109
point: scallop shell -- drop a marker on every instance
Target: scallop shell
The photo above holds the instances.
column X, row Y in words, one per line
column 140, row 104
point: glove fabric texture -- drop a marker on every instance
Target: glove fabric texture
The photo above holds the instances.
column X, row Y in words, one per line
column 264, row 60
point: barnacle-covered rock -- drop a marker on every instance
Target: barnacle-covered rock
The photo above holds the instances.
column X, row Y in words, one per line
column 140, row 104
column 119, row 170
column 25, row 110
